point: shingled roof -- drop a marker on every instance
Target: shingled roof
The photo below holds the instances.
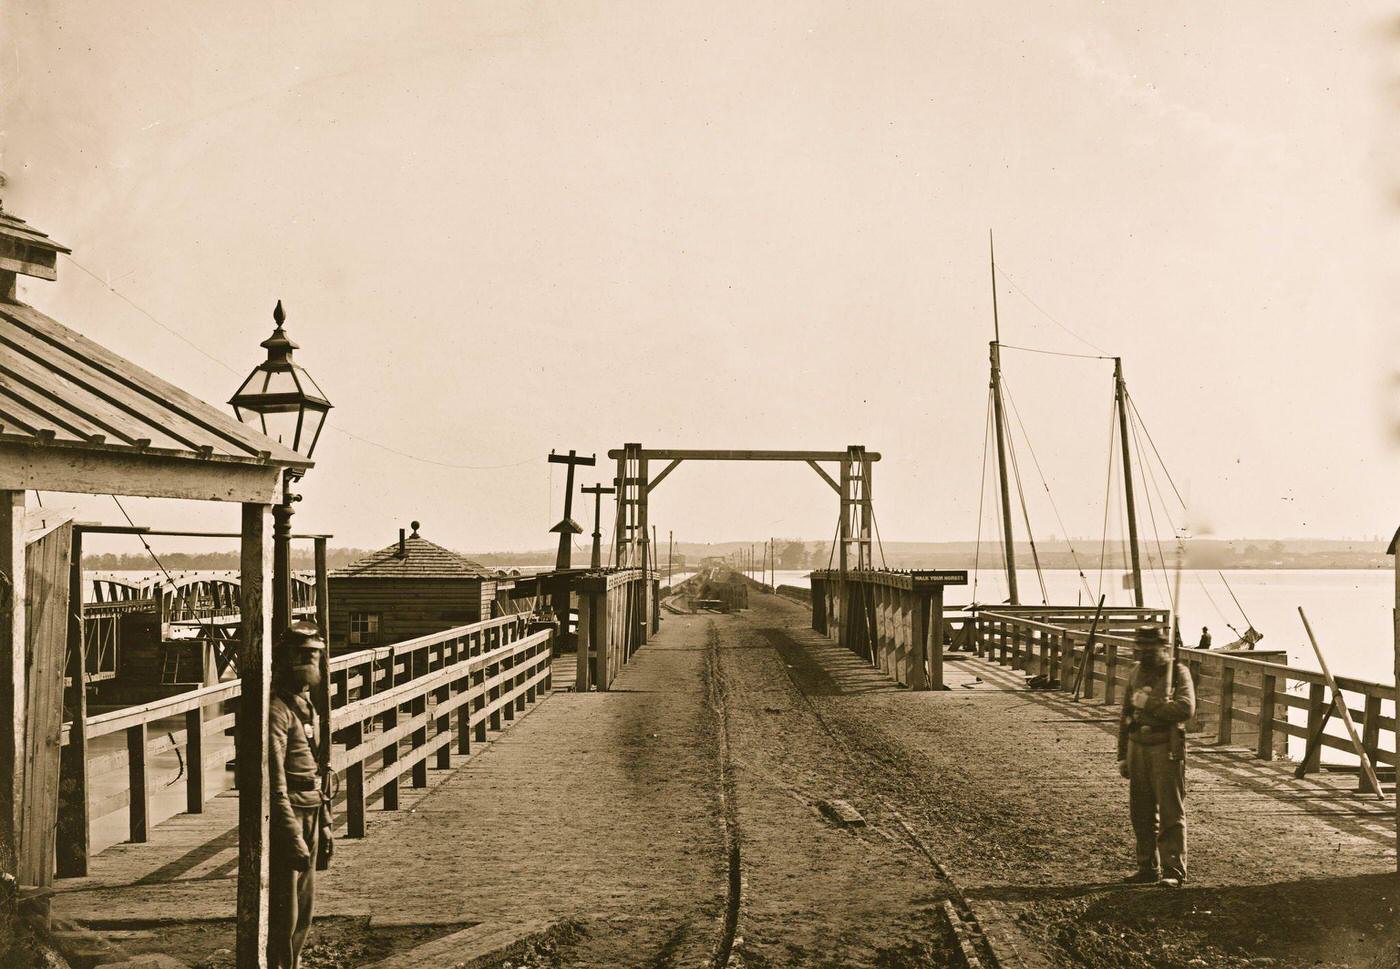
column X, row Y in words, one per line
column 422, row 559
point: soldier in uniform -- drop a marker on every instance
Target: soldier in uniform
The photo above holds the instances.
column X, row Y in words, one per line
column 299, row 823
column 1152, row 756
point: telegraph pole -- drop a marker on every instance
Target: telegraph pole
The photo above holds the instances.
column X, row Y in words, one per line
column 1120, row 394
column 567, row 527
column 597, row 491
column 1008, row 539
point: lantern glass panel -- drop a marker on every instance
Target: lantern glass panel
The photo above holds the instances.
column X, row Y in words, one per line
column 281, row 425
column 311, row 423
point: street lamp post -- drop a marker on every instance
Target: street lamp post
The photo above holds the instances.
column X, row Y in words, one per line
column 281, row 400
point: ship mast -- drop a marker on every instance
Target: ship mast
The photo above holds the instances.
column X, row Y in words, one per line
column 1008, row 540
column 1120, row 396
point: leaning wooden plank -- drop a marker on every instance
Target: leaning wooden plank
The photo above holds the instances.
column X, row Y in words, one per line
column 1340, row 703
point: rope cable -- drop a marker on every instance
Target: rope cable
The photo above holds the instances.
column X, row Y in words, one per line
column 1044, row 312
column 981, row 494
column 1175, row 490
column 1143, row 471
column 1025, row 512
column 1107, row 495
column 1054, row 353
column 328, row 423
column 1046, row 485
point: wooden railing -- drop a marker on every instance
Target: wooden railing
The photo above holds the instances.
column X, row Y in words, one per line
column 1242, row 699
column 612, row 624
column 392, row 710
column 893, row 620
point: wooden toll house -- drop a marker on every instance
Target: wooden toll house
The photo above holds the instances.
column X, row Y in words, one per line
column 409, row 589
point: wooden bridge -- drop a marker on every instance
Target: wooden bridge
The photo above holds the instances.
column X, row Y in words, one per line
column 742, row 787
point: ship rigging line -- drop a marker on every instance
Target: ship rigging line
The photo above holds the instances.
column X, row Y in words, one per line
column 1138, row 420
column 1054, row 353
column 1145, row 471
column 1043, row 312
column 1025, row 512
column 1107, row 495
column 1046, row 485
column 981, row 494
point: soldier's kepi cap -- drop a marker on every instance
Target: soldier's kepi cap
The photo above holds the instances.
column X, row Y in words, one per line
column 300, row 635
column 1149, row 637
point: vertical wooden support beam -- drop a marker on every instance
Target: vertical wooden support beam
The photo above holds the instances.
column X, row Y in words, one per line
column 354, row 783
column 479, row 705
column 1317, row 709
column 12, row 677
column 71, row 842
column 1370, row 740
column 418, row 707
column 585, row 641
column 1265, row 748
column 321, row 696
column 255, row 674
column 464, row 718
column 1225, row 725
column 444, row 726
column 918, row 641
column 606, row 623
column 388, row 720
column 935, row 631
column 1110, row 672
column 194, row 761
column 139, row 808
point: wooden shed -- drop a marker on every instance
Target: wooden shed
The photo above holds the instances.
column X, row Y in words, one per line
column 409, row 589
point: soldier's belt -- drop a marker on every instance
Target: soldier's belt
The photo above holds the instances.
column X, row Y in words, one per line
column 297, row 783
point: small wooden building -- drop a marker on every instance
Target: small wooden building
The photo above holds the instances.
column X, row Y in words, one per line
column 409, row 589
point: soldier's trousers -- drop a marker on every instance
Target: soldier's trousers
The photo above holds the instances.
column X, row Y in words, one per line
column 290, row 897
column 1157, row 804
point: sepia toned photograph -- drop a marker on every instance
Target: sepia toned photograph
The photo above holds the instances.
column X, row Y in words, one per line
column 527, row 484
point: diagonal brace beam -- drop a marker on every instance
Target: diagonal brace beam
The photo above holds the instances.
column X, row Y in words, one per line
column 662, row 476
column 825, row 477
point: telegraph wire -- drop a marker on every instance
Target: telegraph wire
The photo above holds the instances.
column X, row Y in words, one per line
column 455, row 466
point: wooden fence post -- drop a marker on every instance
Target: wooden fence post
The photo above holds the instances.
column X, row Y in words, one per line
column 194, row 760
column 1265, row 748
column 935, row 631
column 139, row 806
column 1317, row 708
column 918, row 641
column 464, row 717
column 444, row 726
column 1370, row 739
column 607, row 625
column 1224, row 728
column 355, row 783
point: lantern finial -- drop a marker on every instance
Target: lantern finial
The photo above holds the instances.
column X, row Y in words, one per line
column 279, row 316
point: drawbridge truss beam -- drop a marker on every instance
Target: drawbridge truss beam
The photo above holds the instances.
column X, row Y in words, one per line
column 634, row 486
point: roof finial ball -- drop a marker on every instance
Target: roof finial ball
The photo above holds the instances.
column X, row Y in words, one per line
column 416, row 526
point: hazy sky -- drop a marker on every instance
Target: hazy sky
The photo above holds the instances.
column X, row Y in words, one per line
column 500, row 228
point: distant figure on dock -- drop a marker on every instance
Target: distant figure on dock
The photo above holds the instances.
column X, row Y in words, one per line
column 1205, row 638
column 1152, row 756
column 297, row 819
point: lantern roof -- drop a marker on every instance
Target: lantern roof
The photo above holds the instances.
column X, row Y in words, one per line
column 59, row 389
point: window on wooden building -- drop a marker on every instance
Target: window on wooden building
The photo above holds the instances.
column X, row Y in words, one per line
column 364, row 628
